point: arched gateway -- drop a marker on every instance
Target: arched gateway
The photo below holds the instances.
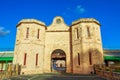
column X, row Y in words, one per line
column 58, row 61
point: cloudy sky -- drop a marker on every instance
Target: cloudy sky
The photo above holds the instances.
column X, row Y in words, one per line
column 107, row 12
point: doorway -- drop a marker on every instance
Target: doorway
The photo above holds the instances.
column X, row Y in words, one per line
column 58, row 61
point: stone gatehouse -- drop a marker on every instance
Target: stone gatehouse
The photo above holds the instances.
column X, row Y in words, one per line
column 58, row 47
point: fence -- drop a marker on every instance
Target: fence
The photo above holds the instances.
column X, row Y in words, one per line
column 12, row 70
column 108, row 72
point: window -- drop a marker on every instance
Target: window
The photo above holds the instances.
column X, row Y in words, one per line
column 88, row 31
column 76, row 33
column 38, row 33
column 79, row 32
column 36, row 59
column 90, row 58
column 61, row 65
column 56, row 65
column 58, row 21
column 27, row 33
column 25, row 56
column 18, row 33
column 78, row 59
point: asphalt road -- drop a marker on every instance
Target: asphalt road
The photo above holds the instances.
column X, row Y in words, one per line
column 56, row 77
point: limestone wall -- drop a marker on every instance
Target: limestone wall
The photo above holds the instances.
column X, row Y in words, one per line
column 56, row 40
column 86, row 43
column 78, row 42
column 57, row 37
column 31, row 46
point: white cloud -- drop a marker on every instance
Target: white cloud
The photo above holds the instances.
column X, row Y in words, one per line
column 74, row 11
column 79, row 9
column 3, row 31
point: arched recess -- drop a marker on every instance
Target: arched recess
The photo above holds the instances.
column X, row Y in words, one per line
column 58, row 61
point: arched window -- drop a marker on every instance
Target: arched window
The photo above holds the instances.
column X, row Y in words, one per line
column 78, row 58
column 27, row 33
column 61, row 65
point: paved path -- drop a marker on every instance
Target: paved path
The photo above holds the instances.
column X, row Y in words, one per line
column 57, row 77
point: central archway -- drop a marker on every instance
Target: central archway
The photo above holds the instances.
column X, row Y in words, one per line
column 58, row 61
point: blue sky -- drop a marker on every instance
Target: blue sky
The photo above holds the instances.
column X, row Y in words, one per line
column 107, row 12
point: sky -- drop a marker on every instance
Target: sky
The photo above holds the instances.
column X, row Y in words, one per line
column 107, row 12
